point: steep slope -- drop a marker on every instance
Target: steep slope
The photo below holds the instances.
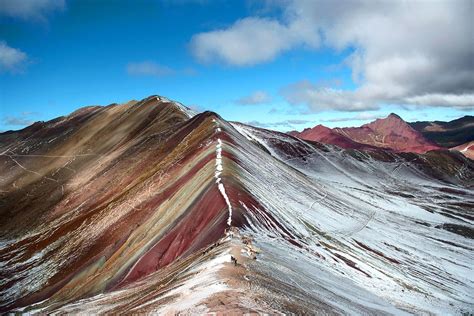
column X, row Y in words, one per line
column 466, row 149
column 447, row 134
column 164, row 213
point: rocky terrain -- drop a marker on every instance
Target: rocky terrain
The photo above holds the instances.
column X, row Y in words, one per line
column 147, row 207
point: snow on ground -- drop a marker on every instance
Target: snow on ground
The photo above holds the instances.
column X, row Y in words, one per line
column 359, row 234
column 218, row 172
column 371, row 223
column 185, row 293
column 189, row 113
column 196, row 290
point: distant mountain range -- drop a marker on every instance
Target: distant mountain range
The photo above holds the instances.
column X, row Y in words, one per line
column 394, row 134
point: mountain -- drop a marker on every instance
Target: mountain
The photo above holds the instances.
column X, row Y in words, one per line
column 326, row 135
column 447, row 134
column 391, row 133
column 466, row 149
column 149, row 208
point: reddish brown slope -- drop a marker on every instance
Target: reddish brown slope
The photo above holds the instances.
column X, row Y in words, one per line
column 326, row 135
column 391, row 132
column 108, row 195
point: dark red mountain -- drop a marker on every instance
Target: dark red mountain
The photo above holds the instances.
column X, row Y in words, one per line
column 391, row 133
column 326, row 135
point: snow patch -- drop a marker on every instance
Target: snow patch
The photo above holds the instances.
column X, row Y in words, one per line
column 218, row 172
column 196, row 290
column 189, row 113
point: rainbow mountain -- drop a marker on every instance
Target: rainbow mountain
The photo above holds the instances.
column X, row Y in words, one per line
column 148, row 207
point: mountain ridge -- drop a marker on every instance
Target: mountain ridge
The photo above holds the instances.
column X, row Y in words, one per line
column 139, row 209
column 447, row 134
column 390, row 133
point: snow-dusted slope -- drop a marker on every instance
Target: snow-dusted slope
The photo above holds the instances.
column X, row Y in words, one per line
column 197, row 215
column 356, row 224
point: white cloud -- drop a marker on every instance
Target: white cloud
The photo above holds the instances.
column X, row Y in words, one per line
column 11, row 59
column 465, row 100
column 148, row 68
column 358, row 117
column 249, row 41
column 30, row 9
column 279, row 124
column 319, row 98
column 258, row 97
column 404, row 52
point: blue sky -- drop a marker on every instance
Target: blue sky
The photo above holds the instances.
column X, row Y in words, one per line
column 278, row 64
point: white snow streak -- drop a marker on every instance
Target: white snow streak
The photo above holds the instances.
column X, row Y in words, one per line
column 466, row 148
column 218, row 174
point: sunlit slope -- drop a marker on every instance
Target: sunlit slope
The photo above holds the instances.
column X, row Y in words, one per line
column 136, row 208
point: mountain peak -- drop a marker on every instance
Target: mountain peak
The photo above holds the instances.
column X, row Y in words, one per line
column 390, row 133
column 158, row 100
column 394, row 115
column 392, row 122
column 321, row 127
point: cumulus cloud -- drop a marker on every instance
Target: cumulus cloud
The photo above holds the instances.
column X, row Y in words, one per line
column 257, row 97
column 463, row 101
column 250, row 41
column 319, row 98
column 279, row 124
column 358, row 117
column 30, row 9
column 403, row 52
column 148, row 68
column 11, row 59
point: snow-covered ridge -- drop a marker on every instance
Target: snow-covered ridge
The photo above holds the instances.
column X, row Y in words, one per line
column 218, row 172
column 190, row 113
